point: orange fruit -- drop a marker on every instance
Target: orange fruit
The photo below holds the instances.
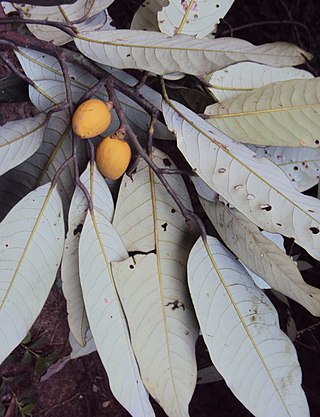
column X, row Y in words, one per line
column 113, row 155
column 91, row 118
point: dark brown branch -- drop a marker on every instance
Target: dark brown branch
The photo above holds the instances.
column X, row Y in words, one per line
column 16, row 72
column 64, row 26
column 189, row 215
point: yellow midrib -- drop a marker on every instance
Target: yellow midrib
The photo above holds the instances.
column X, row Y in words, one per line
column 264, row 111
column 239, row 315
column 185, row 17
column 27, row 246
column 108, row 268
column 157, row 248
column 187, row 49
column 29, row 133
column 225, row 150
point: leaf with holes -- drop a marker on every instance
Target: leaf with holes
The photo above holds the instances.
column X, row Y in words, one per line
column 31, row 246
column 247, row 76
column 101, row 200
column 261, row 255
column 256, row 187
column 19, row 140
column 301, row 165
column 241, row 330
column 99, row 245
column 197, row 18
column 285, row 113
column 155, row 52
column 152, row 284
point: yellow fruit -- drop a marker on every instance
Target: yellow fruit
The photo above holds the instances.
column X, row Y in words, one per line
column 113, row 156
column 91, row 118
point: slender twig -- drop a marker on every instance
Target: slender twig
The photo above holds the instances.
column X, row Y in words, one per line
column 189, row 215
column 60, row 170
column 308, row 329
column 64, row 26
column 142, row 80
column 63, row 63
column 93, row 90
column 150, row 133
column 16, row 39
column 133, row 165
column 16, row 72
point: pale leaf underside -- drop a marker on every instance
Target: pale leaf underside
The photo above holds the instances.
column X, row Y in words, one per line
column 246, row 76
column 102, row 200
column 261, row 255
column 153, row 287
column 241, row 330
column 301, row 165
column 284, row 113
column 99, row 245
column 158, row 53
column 145, row 18
column 31, row 243
column 255, row 186
column 63, row 13
column 42, row 166
column 196, row 17
column 20, row 139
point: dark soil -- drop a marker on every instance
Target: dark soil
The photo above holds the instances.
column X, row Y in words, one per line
column 81, row 389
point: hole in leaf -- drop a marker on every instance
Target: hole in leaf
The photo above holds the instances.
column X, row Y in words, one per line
column 164, row 226
column 266, row 207
column 314, row 230
column 78, row 229
column 167, row 162
column 173, row 210
column 295, row 168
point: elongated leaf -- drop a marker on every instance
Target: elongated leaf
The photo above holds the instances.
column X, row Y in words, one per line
column 153, row 51
column 99, row 245
column 63, row 13
column 261, row 255
column 101, row 200
column 285, row 113
column 241, row 330
column 20, row 139
column 246, row 76
column 301, row 165
column 256, row 187
column 31, row 245
column 42, row 166
column 153, row 286
column 193, row 17
column 145, row 18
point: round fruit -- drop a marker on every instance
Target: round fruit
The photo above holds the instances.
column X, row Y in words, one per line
column 113, row 155
column 91, row 118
